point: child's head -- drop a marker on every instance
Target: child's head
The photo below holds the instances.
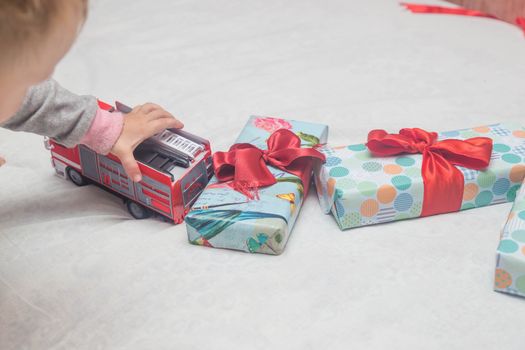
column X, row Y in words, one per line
column 34, row 36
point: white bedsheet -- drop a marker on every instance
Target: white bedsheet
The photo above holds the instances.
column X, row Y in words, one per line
column 76, row 272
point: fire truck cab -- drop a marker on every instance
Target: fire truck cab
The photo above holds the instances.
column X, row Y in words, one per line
column 170, row 183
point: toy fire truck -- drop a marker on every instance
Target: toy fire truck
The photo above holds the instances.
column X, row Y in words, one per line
column 175, row 167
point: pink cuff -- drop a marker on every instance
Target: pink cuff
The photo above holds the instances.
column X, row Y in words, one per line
column 104, row 131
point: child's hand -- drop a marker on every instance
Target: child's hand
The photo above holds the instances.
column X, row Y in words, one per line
column 142, row 122
column 2, row 161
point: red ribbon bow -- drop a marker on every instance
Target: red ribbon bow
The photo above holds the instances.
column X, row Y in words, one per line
column 443, row 182
column 246, row 164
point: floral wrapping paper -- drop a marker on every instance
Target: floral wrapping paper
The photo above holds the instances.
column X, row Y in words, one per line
column 510, row 261
column 360, row 189
column 224, row 218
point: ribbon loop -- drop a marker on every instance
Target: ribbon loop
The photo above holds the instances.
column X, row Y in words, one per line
column 246, row 165
column 443, row 182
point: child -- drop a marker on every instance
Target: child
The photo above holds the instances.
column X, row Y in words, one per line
column 34, row 36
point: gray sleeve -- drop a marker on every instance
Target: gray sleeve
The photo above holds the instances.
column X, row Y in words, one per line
column 50, row 110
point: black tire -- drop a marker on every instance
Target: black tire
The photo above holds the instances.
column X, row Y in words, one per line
column 138, row 211
column 76, row 177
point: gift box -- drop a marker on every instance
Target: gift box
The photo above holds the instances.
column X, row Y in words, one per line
column 361, row 188
column 260, row 221
column 510, row 262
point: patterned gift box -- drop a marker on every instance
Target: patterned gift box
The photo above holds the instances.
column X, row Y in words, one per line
column 224, row 218
column 361, row 189
column 510, row 262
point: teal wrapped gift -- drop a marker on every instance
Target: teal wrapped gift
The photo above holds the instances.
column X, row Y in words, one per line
column 510, row 264
column 225, row 218
column 361, row 189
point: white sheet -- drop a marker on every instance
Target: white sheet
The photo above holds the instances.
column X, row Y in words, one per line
column 77, row 273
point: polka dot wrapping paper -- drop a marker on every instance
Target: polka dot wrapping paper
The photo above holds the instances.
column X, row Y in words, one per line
column 510, row 262
column 361, row 189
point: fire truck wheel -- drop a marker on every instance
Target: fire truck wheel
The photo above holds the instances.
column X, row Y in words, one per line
column 76, row 177
column 138, row 211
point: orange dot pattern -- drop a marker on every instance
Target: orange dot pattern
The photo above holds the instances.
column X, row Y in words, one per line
column 503, row 279
column 470, row 191
column 331, row 186
column 386, row 194
column 369, row 208
column 519, row 133
column 482, row 129
column 517, row 173
column 392, row 169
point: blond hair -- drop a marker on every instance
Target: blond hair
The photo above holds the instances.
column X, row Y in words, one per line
column 23, row 23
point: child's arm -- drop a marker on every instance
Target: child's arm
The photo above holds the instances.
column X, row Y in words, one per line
column 50, row 110
column 70, row 119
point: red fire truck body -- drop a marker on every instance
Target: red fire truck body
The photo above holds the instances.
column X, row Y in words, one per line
column 165, row 188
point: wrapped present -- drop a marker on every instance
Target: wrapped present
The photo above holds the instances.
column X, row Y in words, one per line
column 510, row 263
column 253, row 201
column 417, row 173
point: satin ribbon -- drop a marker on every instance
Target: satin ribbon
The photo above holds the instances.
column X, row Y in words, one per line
column 443, row 182
column 246, row 165
column 421, row 8
column 520, row 22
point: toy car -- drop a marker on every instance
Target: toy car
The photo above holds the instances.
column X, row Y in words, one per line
column 175, row 167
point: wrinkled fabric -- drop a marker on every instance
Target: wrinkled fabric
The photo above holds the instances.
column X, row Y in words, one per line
column 76, row 272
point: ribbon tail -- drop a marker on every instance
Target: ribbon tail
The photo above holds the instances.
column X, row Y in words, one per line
column 443, row 185
column 473, row 153
column 421, row 8
column 251, row 192
column 302, row 164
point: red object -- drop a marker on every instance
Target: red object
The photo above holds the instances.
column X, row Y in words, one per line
column 246, row 164
column 421, row 8
column 443, row 182
column 159, row 191
column 520, row 22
